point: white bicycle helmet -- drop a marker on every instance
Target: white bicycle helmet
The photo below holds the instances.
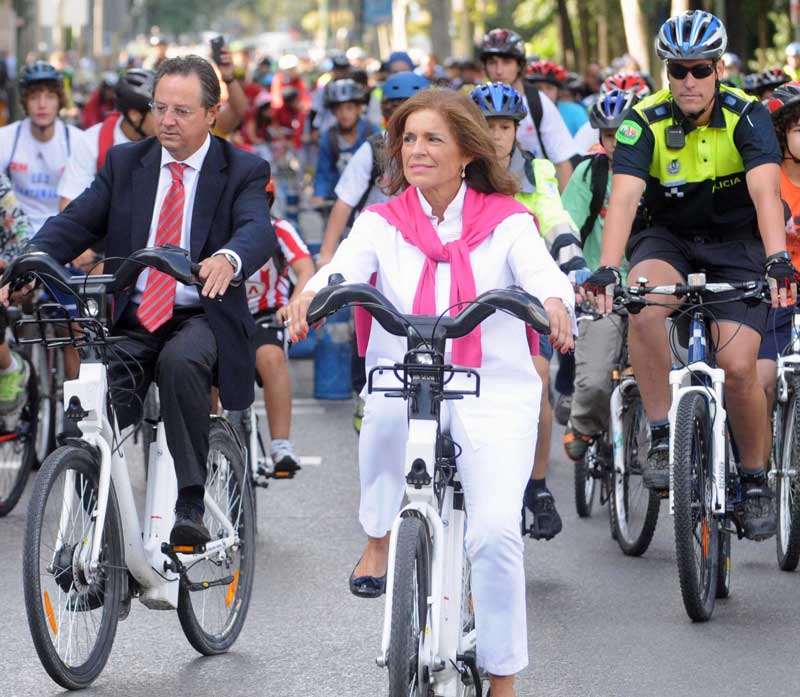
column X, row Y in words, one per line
column 692, row 35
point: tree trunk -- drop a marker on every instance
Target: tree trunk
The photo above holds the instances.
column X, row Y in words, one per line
column 399, row 35
column 462, row 42
column 569, row 52
column 679, row 6
column 636, row 32
column 440, row 27
column 585, row 20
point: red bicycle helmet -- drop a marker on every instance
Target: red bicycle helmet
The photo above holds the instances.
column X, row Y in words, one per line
column 626, row 82
column 546, row 71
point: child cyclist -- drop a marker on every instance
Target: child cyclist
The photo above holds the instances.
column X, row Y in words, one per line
column 504, row 108
column 268, row 293
column 600, row 342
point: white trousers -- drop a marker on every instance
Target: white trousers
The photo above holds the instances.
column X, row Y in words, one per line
column 493, row 478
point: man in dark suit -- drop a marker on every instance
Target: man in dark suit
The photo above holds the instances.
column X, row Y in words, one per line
column 194, row 190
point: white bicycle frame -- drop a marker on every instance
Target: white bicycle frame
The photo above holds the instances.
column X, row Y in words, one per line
column 626, row 382
column 142, row 552
column 442, row 638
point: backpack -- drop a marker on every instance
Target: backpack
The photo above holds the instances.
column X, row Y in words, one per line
column 536, row 112
column 598, row 171
column 106, row 139
column 16, row 141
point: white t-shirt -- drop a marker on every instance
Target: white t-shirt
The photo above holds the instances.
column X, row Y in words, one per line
column 586, row 138
column 82, row 166
column 554, row 133
column 36, row 169
column 355, row 179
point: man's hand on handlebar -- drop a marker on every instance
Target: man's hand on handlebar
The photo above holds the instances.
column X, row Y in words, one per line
column 296, row 312
column 600, row 288
column 560, row 324
column 782, row 277
column 217, row 273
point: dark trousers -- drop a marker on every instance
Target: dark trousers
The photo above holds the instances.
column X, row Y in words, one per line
column 181, row 356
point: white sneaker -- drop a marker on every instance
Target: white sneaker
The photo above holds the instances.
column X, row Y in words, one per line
column 285, row 462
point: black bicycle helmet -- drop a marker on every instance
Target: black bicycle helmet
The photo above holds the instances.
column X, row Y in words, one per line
column 773, row 77
column 611, row 109
column 502, row 42
column 38, row 72
column 135, row 90
column 497, row 100
column 341, row 91
column 786, row 95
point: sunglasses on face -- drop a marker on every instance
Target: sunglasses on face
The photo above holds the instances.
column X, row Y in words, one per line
column 699, row 72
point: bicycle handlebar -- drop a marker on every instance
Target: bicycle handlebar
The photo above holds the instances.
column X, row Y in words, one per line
column 512, row 300
column 752, row 288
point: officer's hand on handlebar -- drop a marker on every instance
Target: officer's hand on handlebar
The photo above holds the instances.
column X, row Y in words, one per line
column 782, row 278
column 296, row 312
column 600, row 288
column 560, row 324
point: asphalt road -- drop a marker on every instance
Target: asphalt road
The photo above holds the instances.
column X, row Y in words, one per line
column 600, row 624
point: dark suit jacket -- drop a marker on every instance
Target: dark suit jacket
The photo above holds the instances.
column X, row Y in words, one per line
column 230, row 211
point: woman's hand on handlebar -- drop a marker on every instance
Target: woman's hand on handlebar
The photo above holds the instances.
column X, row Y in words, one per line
column 560, row 324
column 296, row 312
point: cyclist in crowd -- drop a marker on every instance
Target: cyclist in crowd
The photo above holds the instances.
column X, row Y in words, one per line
column 130, row 121
column 768, row 81
column 268, row 292
column 35, row 151
column 550, row 79
column 710, row 162
column 600, row 342
column 346, row 99
column 543, row 131
column 14, row 232
column 732, row 70
column 196, row 191
column 101, row 101
column 792, row 67
column 503, row 108
column 456, row 203
column 321, row 117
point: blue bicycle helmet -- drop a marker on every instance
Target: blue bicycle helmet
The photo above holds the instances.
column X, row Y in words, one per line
column 611, row 109
column 497, row 100
column 692, row 35
column 403, row 85
column 38, row 72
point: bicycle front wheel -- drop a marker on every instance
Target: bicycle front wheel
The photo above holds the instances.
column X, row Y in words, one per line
column 635, row 506
column 787, row 484
column 72, row 610
column 412, row 569
column 215, row 593
column 696, row 530
column 18, row 447
column 585, row 481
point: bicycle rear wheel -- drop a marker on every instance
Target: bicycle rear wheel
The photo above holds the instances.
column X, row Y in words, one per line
column 212, row 616
column 635, row 506
column 696, row 530
column 72, row 612
column 585, row 481
column 787, row 484
column 412, row 568
column 18, row 447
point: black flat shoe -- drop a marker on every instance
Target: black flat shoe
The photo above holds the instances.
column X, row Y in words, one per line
column 189, row 529
column 367, row 586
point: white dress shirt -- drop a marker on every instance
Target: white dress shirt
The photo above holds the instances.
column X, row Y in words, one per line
column 513, row 254
column 184, row 295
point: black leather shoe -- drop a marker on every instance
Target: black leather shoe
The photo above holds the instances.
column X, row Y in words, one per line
column 189, row 528
column 367, row 586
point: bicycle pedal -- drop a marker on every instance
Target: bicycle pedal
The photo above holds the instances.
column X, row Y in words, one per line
column 283, row 474
column 170, row 550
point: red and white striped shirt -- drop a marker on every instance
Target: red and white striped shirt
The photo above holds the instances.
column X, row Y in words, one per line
column 269, row 287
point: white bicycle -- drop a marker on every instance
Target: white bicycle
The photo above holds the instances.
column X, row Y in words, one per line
column 428, row 642
column 86, row 554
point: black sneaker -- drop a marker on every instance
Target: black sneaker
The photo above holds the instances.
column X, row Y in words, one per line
column 189, row 529
column 760, row 517
column 656, row 471
column 546, row 521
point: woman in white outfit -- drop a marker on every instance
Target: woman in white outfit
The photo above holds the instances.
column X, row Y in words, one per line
column 442, row 158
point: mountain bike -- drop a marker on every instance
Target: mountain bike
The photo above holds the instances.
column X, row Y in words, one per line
column 428, row 642
column 86, row 555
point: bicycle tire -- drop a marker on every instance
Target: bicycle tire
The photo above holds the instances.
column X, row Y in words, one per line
column 585, row 483
column 228, row 484
column 412, row 566
column 787, row 489
column 634, row 537
column 697, row 571
column 45, row 429
column 724, row 565
column 241, row 424
column 43, row 573
column 22, row 448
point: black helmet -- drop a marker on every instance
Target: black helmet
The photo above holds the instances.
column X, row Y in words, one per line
column 38, row 72
column 339, row 61
column 502, row 42
column 773, row 77
column 786, row 95
column 341, row 91
column 135, row 90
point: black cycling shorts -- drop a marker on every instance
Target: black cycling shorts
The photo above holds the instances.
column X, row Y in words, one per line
column 722, row 262
column 267, row 332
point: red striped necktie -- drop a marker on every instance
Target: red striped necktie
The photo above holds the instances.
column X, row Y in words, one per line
column 158, row 298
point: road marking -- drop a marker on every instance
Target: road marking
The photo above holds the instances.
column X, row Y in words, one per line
column 296, row 410
column 310, row 460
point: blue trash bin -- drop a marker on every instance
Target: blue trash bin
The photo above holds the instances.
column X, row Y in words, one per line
column 332, row 358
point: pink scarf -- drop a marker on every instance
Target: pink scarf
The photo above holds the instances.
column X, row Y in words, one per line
column 482, row 213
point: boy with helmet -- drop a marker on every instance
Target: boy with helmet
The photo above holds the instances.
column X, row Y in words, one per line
column 268, row 293
column 550, row 78
column 706, row 159
column 792, row 67
column 504, row 108
column 34, row 151
column 346, row 99
column 131, row 121
column 600, row 342
column 542, row 131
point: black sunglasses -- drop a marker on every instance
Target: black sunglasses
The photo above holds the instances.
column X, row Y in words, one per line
column 699, row 72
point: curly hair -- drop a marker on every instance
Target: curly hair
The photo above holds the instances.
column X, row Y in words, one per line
column 56, row 86
column 785, row 119
column 484, row 173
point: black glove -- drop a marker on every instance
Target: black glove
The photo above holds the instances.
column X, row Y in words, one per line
column 779, row 269
column 604, row 276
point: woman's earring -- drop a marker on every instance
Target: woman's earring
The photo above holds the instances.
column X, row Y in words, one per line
column 463, row 171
